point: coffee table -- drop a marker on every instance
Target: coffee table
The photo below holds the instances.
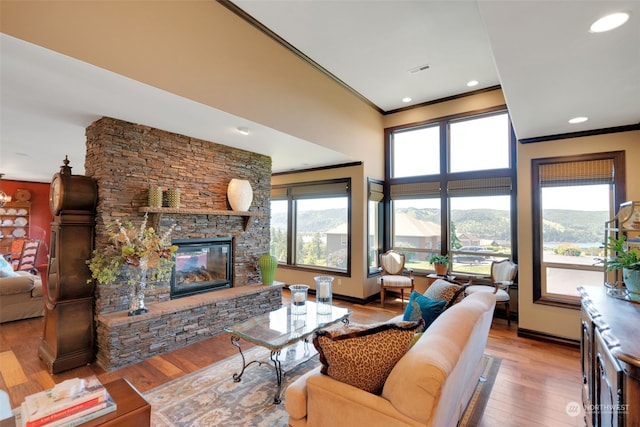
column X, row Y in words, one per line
column 279, row 329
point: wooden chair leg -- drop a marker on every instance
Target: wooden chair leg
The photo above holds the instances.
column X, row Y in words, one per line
column 402, row 297
column 382, row 296
column 506, row 307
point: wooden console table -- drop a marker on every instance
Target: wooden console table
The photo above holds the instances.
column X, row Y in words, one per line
column 610, row 352
column 133, row 410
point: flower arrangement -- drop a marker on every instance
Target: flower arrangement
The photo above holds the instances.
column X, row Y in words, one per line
column 133, row 252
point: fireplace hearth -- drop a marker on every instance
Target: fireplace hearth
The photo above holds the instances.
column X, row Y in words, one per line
column 202, row 265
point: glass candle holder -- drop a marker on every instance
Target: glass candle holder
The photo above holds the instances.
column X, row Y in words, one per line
column 324, row 294
column 298, row 299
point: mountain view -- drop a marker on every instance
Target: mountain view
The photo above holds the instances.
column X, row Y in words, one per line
column 579, row 227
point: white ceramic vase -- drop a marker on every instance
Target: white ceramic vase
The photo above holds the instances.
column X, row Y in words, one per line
column 239, row 194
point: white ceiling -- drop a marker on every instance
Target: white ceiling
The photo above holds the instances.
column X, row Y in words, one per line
column 549, row 66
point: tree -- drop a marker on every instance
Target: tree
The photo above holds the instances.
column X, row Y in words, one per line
column 455, row 242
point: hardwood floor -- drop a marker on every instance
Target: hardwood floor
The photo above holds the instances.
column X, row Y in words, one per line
column 535, row 382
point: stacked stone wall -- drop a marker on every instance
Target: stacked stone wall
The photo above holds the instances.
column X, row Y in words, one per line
column 128, row 159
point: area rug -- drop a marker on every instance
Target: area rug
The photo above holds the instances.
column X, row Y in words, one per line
column 209, row 397
column 480, row 396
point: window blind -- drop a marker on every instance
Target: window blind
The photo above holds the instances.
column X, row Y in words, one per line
column 496, row 186
column 417, row 190
column 586, row 172
column 322, row 189
column 376, row 192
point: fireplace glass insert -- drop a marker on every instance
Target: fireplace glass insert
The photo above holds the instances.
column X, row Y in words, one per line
column 202, row 265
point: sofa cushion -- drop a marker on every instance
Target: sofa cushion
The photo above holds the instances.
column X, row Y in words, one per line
column 22, row 282
column 6, row 270
column 440, row 289
column 364, row 355
column 422, row 307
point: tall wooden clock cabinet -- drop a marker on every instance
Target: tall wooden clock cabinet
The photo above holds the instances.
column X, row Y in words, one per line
column 68, row 339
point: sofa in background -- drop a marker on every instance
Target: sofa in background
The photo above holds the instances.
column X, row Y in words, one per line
column 21, row 297
column 430, row 385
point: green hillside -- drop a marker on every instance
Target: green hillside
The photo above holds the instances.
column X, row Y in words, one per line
column 561, row 225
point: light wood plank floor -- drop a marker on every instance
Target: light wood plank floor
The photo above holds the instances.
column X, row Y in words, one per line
column 535, row 382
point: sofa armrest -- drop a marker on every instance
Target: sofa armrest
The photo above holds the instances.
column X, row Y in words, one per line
column 295, row 400
column 328, row 398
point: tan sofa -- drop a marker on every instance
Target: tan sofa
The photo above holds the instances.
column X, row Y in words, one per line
column 21, row 297
column 430, row 386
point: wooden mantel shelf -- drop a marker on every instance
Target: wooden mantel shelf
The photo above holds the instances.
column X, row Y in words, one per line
column 157, row 212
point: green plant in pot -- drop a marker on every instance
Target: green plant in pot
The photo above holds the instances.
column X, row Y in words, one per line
column 440, row 264
column 628, row 260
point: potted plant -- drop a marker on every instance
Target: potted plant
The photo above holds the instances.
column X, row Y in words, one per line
column 134, row 255
column 440, row 264
column 627, row 259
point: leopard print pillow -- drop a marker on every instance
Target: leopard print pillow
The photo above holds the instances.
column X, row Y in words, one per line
column 363, row 356
column 446, row 291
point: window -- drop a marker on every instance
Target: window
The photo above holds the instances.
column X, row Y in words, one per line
column 416, row 230
column 375, row 225
column 310, row 225
column 480, row 143
column 416, row 152
column 279, row 229
column 452, row 191
column 481, row 232
column 572, row 198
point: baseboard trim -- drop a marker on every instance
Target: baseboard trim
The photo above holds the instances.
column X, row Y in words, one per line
column 354, row 300
column 541, row 336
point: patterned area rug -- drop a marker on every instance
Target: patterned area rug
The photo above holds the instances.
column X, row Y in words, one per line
column 210, row 397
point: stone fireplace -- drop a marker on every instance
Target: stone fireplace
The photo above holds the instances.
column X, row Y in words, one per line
column 202, row 265
column 127, row 159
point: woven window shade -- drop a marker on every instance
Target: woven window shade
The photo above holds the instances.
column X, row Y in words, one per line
column 498, row 186
column 577, row 173
column 329, row 189
column 279, row 193
column 417, row 190
column 376, row 192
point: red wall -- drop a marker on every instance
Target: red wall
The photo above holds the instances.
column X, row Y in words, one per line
column 40, row 221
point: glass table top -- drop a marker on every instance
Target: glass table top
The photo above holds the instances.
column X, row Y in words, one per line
column 280, row 328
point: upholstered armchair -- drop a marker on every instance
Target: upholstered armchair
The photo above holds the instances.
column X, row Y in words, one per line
column 392, row 275
column 503, row 274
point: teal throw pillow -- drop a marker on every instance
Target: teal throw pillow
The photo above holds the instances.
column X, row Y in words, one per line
column 423, row 307
column 6, row 270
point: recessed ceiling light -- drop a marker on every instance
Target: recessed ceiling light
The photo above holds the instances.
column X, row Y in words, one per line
column 578, row 120
column 406, row 99
column 243, row 130
column 472, row 83
column 609, row 22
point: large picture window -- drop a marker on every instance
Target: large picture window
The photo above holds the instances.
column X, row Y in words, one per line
column 452, row 191
column 310, row 225
column 572, row 198
column 416, row 151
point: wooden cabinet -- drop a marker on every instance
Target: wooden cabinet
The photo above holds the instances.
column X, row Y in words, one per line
column 14, row 223
column 610, row 352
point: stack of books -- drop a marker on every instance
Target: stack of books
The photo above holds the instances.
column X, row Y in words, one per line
column 68, row 404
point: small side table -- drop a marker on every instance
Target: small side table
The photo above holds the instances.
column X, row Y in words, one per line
column 133, row 410
column 433, row 277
